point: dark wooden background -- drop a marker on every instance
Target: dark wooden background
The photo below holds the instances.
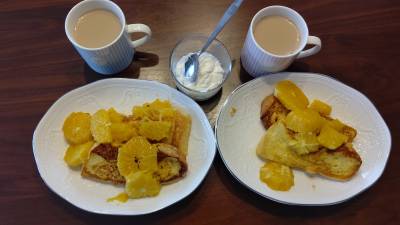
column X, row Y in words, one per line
column 361, row 47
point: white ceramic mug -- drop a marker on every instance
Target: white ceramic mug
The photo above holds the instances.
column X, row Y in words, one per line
column 257, row 61
column 115, row 56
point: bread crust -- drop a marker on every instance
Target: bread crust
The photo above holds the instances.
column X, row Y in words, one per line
column 272, row 111
column 107, row 170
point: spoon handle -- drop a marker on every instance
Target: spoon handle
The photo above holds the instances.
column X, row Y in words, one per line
column 227, row 16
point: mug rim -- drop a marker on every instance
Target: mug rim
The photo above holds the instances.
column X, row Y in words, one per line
column 300, row 48
column 75, row 7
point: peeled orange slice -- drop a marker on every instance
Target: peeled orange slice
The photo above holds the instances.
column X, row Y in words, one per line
column 142, row 184
column 321, row 107
column 331, row 138
column 77, row 154
column 115, row 117
column 304, row 121
column 122, row 132
column 100, row 126
column 85, row 150
column 137, row 154
column 336, row 124
column 155, row 130
column 304, row 143
column 291, row 96
column 157, row 111
column 159, row 104
column 277, row 176
column 76, row 128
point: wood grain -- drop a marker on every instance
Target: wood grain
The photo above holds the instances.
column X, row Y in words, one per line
column 361, row 47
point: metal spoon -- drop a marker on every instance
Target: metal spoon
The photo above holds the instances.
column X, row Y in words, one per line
column 192, row 62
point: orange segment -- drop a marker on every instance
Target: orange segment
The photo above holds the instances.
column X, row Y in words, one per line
column 137, row 154
column 115, row 117
column 331, row 138
column 277, row 176
column 304, row 121
column 155, row 130
column 77, row 154
column 142, row 184
column 85, row 150
column 336, row 124
column 157, row 111
column 291, row 96
column 76, row 128
column 100, row 126
column 304, row 143
column 321, row 107
column 122, row 132
column 158, row 104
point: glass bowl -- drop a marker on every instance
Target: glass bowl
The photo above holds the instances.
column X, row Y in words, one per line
column 193, row 44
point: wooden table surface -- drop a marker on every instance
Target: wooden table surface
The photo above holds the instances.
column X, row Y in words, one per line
column 361, row 47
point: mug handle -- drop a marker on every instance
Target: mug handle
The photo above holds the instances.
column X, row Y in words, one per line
column 311, row 40
column 139, row 28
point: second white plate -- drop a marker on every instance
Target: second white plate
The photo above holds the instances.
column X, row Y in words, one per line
column 239, row 133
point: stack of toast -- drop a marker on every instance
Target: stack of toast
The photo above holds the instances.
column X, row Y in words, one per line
column 339, row 164
column 171, row 156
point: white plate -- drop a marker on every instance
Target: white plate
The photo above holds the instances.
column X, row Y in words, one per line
column 49, row 146
column 238, row 135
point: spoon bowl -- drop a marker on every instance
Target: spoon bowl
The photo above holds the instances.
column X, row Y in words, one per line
column 192, row 67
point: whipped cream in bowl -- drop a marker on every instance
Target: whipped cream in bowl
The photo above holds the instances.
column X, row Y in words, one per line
column 210, row 74
column 214, row 67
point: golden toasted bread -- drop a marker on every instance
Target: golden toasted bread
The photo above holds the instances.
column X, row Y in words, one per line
column 272, row 111
column 181, row 133
column 170, row 165
column 172, row 162
column 102, row 164
column 339, row 164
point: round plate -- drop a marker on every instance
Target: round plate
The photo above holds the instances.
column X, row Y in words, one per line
column 122, row 94
column 239, row 133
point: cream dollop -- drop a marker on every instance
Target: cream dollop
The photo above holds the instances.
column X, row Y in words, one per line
column 211, row 73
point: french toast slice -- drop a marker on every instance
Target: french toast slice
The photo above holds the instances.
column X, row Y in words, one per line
column 181, row 133
column 170, row 167
column 102, row 164
column 272, row 111
column 171, row 158
column 339, row 164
